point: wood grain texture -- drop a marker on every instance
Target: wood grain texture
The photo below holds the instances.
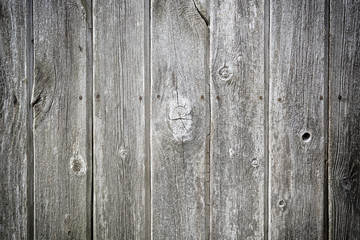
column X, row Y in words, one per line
column 14, row 124
column 179, row 119
column 237, row 119
column 297, row 90
column 344, row 163
column 119, row 124
column 61, row 120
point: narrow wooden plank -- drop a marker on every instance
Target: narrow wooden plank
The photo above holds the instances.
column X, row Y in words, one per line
column 61, row 120
column 15, row 157
column 119, row 119
column 179, row 119
column 297, row 117
column 237, row 119
column 344, row 171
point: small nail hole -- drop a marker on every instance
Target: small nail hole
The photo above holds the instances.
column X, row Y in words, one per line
column 158, row 96
column 306, row 137
column 281, row 203
column 140, row 98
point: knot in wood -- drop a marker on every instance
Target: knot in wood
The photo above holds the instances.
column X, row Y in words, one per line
column 181, row 123
column 346, row 183
column 78, row 165
column 123, row 153
column 254, row 163
column 225, row 73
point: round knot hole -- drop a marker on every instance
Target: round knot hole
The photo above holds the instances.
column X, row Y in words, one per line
column 254, row 163
column 306, row 137
column 282, row 203
column 225, row 73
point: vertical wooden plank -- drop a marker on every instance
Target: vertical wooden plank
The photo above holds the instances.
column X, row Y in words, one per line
column 179, row 119
column 119, row 124
column 61, row 120
column 297, row 118
column 344, row 171
column 237, row 119
column 15, row 157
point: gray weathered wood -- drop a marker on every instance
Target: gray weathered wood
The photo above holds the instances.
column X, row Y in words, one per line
column 344, row 162
column 15, row 156
column 297, row 100
column 179, row 119
column 61, row 120
column 119, row 120
column 237, row 119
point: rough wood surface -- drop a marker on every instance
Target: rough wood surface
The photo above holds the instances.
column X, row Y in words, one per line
column 237, row 119
column 14, row 124
column 61, row 120
column 344, row 171
column 119, row 124
column 179, row 119
column 297, row 99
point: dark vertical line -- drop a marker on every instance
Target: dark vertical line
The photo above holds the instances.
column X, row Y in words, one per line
column 326, row 118
column 89, row 124
column 266, row 117
column 147, row 86
column 30, row 149
column 208, row 137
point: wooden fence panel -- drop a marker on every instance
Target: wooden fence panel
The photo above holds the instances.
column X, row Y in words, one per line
column 189, row 119
column 119, row 119
column 238, row 160
column 179, row 119
column 344, row 171
column 297, row 118
column 61, row 120
column 15, row 145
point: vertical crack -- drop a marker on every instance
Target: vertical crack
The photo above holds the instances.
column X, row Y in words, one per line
column 30, row 134
column 326, row 117
column 147, row 110
column 202, row 14
column 267, row 206
column 90, row 115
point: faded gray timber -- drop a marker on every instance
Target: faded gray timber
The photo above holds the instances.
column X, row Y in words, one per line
column 344, row 162
column 237, row 119
column 179, row 119
column 297, row 90
column 119, row 120
column 14, row 124
column 61, row 133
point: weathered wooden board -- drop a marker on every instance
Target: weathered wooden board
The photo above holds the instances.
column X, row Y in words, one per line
column 15, row 136
column 237, row 119
column 297, row 118
column 119, row 119
column 344, row 162
column 179, row 119
column 62, row 118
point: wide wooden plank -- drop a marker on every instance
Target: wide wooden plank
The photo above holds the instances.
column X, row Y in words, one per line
column 119, row 119
column 15, row 135
column 238, row 160
column 344, row 162
column 62, row 120
column 297, row 118
column 179, row 119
